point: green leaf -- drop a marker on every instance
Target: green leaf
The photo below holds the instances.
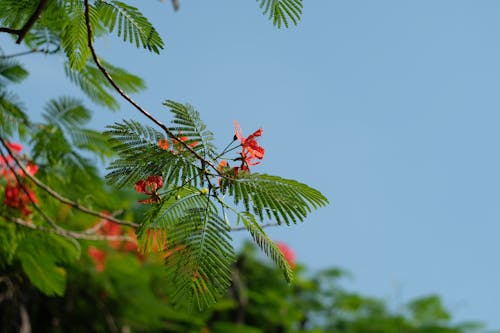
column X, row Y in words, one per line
column 12, row 116
column 283, row 200
column 281, row 11
column 74, row 38
column 13, row 13
column 40, row 255
column 11, row 71
column 67, row 113
column 8, row 243
column 199, row 254
column 266, row 244
column 141, row 157
column 93, row 83
column 129, row 23
column 47, row 277
column 187, row 123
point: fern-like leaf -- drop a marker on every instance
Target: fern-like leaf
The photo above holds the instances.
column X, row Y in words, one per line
column 283, row 200
column 11, row 72
column 67, row 113
column 97, row 88
column 12, row 116
column 129, row 23
column 74, row 39
column 187, row 123
column 266, row 244
column 198, row 251
column 140, row 157
column 281, row 11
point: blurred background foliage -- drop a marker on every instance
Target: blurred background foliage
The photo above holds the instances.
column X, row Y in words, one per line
column 128, row 295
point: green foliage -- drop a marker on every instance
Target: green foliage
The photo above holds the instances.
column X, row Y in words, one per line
column 14, row 12
column 283, row 200
column 129, row 24
column 43, row 270
column 186, row 122
column 97, row 88
column 12, row 116
column 185, row 221
column 200, row 255
column 139, row 156
column 266, row 244
column 281, row 11
column 74, row 39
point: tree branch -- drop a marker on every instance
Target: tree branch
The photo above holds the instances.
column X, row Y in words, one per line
column 62, row 199
column 45, row 51
column 130, row 100
column 27, row 26
column 66, row 233
column 21, row 33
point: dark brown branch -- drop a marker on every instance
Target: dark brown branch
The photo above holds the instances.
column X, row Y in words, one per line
column 130, row 100
column 9, row 30
column 62, row 199
column 27, row 26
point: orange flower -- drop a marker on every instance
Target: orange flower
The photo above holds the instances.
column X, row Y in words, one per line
column 184, row 139
column 163, row 144
column 251, row 151
column 222, row 165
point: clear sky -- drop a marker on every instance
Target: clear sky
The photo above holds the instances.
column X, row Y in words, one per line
column 390, row 108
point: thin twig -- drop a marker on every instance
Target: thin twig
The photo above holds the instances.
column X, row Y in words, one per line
column 267, row 225
column 62, row 199
column 18, row 54
column 130, row 100
column 44, row 51
column 66, row 233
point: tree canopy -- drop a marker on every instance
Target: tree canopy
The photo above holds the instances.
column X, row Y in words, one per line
column 148, row 244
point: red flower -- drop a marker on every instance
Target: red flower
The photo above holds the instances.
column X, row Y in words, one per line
column 251, row 151
column 287, row 253
column 98, row 257
column 150, row 186
column 15, row 147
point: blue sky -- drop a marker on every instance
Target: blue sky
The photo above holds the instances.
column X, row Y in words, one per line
column 390, row 108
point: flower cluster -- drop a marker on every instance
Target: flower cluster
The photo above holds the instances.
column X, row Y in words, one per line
column 177, row 144
column 17, row 195
column 150, row 187
column 251, row 152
